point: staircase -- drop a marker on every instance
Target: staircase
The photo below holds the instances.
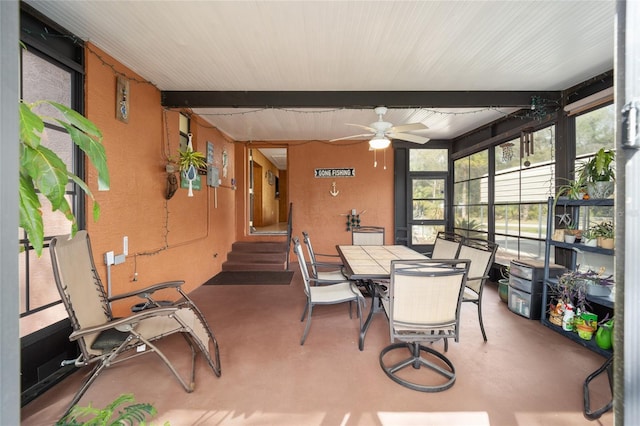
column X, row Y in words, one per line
column 257, row 256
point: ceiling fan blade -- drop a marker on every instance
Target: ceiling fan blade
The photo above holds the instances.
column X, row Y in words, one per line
column 363, row 135
column 370, row 129
column 409, row 137
column 408, row 127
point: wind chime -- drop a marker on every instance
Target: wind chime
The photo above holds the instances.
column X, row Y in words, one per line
column 526, row 145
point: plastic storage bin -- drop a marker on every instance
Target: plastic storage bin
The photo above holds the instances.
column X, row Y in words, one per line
column 525, row 304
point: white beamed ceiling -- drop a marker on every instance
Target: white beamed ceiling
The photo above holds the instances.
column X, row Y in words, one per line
column 347, row 46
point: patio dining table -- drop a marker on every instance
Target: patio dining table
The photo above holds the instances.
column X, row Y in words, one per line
column 372, row 263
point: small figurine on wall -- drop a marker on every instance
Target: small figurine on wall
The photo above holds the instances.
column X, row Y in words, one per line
column 122, row 99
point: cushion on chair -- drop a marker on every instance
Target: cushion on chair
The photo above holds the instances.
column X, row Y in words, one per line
column 109, row 339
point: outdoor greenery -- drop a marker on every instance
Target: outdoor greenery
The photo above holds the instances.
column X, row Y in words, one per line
column 521, row 191
column 43, row 172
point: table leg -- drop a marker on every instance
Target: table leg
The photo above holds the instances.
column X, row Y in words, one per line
column 373, row 292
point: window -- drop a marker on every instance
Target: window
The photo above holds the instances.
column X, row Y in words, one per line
column 471, row 195
column 428, row 171
column 40, row 303
column 523, row 183
column 594, row 130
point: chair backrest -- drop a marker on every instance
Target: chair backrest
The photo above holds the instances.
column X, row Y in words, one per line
column 425, row 296
column 447, row 245
column 78, row 283
column 312, row 255
column 481, row 253
column 297, row 249
column 368, row 236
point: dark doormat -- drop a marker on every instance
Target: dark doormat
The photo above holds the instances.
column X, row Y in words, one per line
column 251, row 277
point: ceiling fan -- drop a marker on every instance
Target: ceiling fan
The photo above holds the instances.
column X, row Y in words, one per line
column 381, row 132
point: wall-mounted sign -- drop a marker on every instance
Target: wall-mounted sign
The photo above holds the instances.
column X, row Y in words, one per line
column 196, row 184
column 334, row 173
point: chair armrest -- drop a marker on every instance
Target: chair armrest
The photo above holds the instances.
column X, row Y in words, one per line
column 326, row 255
column 478, row 278
column 147, row 290
column 123, row 324
column 327, row 282
column 329, row 265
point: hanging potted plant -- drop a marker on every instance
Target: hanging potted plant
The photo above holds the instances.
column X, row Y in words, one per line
column 599, row 175
column 190, row 162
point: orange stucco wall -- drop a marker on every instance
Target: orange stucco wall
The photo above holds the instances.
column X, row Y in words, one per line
column 316, row 211
column 181, row 238
column 188, row 238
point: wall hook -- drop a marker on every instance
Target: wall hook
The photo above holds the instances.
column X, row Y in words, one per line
column 333, row 191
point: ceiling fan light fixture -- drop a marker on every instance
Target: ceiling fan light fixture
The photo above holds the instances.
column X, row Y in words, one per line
column 379, row 142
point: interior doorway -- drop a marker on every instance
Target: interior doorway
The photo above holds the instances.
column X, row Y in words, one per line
column 268, row 191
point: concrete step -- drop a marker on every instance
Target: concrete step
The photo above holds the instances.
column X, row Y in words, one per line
column 256, row 256
column 253, row 266
column 259, row 247
column 253, row 256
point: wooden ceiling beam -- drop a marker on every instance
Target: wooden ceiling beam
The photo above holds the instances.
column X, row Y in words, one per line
column 354, row 100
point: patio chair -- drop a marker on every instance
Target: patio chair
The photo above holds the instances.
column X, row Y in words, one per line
column 367, row 236
column 319, row 269
column 330, row 294
column 481, row 253
column 423, row 306
column 446, row 245
column 103, row 340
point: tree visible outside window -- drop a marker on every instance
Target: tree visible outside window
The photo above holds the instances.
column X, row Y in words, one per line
column 428, row 171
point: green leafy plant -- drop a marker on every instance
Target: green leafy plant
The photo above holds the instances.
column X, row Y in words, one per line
column 572, row 286
column 589, row 234
column 573, row 189
column 128, row 415
column 599, row 168
column 571, row 289
column 603, row 229
column 190, row 157
column 41, row 170
column 505, row 272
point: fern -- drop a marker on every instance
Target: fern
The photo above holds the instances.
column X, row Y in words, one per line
column 132, row 414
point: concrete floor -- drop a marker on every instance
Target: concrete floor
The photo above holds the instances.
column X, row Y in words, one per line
column 526, row 374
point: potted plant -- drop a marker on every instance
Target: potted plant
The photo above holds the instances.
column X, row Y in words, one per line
column 589, row 237
column 604, row 232
column 596, row 283
column 571, row 234
column 573, row 189
column 598, row 174
column 190, row 162
column 503, row 284
column 571, row 289
column 43, row 172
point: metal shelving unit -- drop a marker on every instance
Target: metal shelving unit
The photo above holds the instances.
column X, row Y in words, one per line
column 604, row 302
